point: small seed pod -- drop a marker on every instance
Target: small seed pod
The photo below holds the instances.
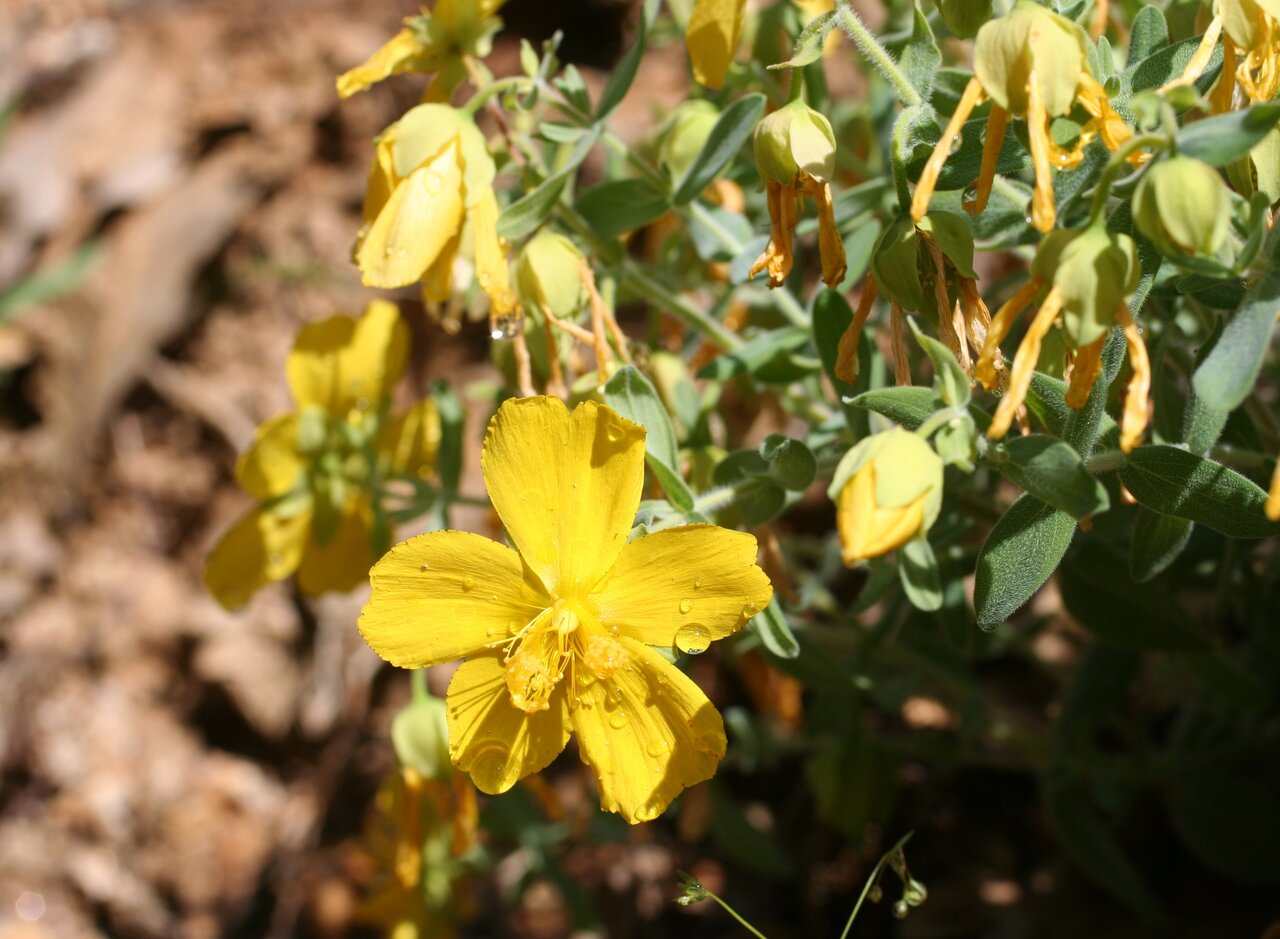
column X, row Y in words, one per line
column 1182, row 205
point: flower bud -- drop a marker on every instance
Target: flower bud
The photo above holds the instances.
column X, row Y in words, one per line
column 548, row 273
column 685, row 134
column 888, row 491
column 792, row 140
column 1093, row 270
column 965, row 17
column 1183, row 207
column 420, row 735
column 1030, row 38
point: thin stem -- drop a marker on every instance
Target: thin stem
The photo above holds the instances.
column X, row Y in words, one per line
column 875, row 875
column 418, row 682
column 878, row 56
column 937, row 420
column 679, row 307
column 1106, row 461
column 1117, row 162
column 734, row 913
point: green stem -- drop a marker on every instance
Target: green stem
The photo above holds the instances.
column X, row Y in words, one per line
column 479, row 99
column 937, row 420
column 670, row 302
column 1117, row 162
column 1105, row 461
column 418, row 682
column 898, row 158
column 734, row 913
column 875, row 875
column 878, row 56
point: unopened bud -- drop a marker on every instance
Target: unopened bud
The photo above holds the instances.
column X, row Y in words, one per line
column 792, row 140
column 1182, row 205
column 1030, row 39
column 548, row 273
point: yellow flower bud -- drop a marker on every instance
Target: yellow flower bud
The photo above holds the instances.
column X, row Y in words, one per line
column 888, row 491
column 712, row 38
column 1182, row 205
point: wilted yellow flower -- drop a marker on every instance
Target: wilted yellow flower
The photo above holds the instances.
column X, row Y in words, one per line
column 315, row 514
column 1089, row 274
column 557, row 636
column 431, row 182
column 438, row 41
column 1250, row 53
column 795, row 151
column 888, row 491
column 1032, row 65
column 712, row 38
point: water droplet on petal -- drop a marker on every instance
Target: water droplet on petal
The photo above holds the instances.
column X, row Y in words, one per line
column 618, row 720
column 614, row 432
column 749, row 610
column 468, row 582
column 692, row 638
column 686, row 605
column 502, row 328
column 425, row 566
column 657, row 748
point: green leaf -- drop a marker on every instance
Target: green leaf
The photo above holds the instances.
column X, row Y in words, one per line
column 728, row 135
column 756, row 353
column 624, row 73
column 809, row 45
column 920, row 58
column 770, row 624
column 1091, row 843
column 792, row 465
column 1222, row 138
column 632, row 395
column 1148, row 34
column 921, row 579
column 1157, row 541
column 1229, row 821
column 1227, row 374
column 453, row 417
column 527, row 213
column 1179, row 483
column 908, row 405
column 620, row 206
column 49, row 283
column 1121, row 613
column 1018, row 556
column 1052, row 472
column 1170, row 62
column 950, row 383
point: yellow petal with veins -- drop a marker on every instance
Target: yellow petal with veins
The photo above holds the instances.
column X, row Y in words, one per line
column 648, row 732
column 261, row 547
column 421, row 216
column 491, row 739
column 447, row 594
column 698, row 576
column 566, row 486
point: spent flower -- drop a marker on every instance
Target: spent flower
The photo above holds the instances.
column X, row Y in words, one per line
column 558, row 635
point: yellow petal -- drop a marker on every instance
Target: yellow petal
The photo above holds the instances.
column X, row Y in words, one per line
column 712, row 38
column 347, row 366
column 410, row 441
column 402, row 53
column 697, row 578
column 446, row 594
column 868, row 530
column 492, row 271
column 380, row 185
column 566, row 486
column 272, row 465
column 421, row 216
column 648, row 732
column 343, row 562
column 261, row 547
column 491, row 739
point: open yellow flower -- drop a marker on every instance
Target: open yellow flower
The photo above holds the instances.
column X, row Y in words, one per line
column 1032, row 65
column 431, row 183
column 439, row 42
column 557, row 635
column 315, row 515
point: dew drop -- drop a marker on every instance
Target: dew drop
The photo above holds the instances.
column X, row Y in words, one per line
column 468, row 582
column 618, row 720
column 686, row 606
column 614, row 432
column 502, row 328
column 425, row 566
column 697, row 585
column 657, row 748
column 649, row 811
column 956, row 141
column 1027, row 219
column 749, row 610
column 692, row 638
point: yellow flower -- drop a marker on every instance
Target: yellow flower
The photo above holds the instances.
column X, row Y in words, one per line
column 795, row 150
column 1250, row 53
column 1032, row 65
column 315, row 515
column 431, row 183
column 712, row 38
column 438, row 41
column 557, row 635
column 888, row 491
